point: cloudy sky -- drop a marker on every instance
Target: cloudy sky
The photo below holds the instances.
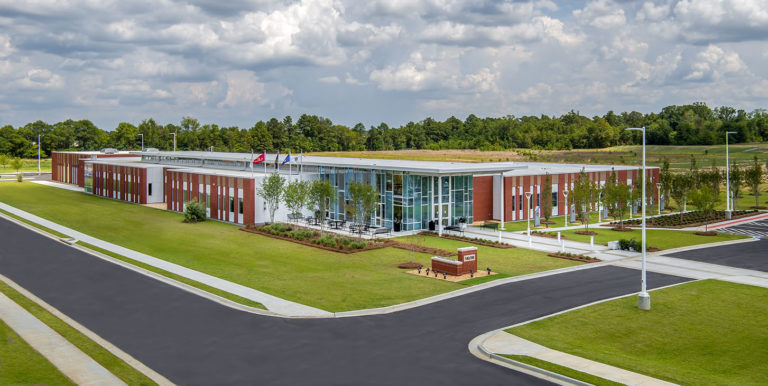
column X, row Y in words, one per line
column 238, row 61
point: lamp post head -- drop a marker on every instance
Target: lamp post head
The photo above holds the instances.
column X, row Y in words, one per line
column 635, row 128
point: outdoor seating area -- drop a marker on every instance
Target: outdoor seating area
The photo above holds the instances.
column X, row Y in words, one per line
column 343, row 226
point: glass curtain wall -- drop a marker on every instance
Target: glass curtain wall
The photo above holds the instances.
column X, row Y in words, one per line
column 404, row 198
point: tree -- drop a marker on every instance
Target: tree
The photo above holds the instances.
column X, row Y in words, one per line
column 546, row 199
column 17, row 164
column 681, row 186
column 737, row 179
column 3, row 160
column 704, row 200
column 323, row 194
column 271, row 190
column 363, row 200
column 583, row 195
column 296, row 196
column 753, row 177
column 617, row 195
column 665, row 179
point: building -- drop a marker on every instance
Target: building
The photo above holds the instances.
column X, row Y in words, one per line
column 413, row 194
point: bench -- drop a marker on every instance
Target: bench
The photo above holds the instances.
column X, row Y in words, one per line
column 293, row 217
column 379, row 231
column 454, row 228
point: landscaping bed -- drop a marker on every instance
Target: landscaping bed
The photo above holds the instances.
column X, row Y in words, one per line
column 545, row 234
column 689, row 219
column 477, row 241
column 313, row 238
column 574, row 257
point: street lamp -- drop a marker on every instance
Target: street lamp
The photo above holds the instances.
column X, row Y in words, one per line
column 38, row 154
column 727, row 179
column 643, row 299
column 565, row 194
column 142, row 141
column 174, row 141
column 527, row 209
column 658, row 195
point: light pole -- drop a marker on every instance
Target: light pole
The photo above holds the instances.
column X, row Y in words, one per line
column 38, row 154
column 658, row 195
column 527, row 209
column 565, row 194
column 142, row 141
column 174, row 141
column 727, row 179
column 643, row 299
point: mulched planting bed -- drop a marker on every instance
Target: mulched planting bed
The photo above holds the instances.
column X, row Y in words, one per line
column 757, row 207
column 582, row 258
column 370, row 244
column 708, row 233
column 485, row 243
column 545, row 234
column 586, row 233
column 422, row 249
column 624, row 229
column 690, row 219
column 409, row 265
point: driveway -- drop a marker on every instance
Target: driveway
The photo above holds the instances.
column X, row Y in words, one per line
column 191, row 340
column 753, row 255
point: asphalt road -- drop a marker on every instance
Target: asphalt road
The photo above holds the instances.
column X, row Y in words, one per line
column 192, row 340
column 753, row 255
column 758, row 229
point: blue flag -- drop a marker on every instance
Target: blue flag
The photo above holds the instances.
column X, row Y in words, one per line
column 286, row 160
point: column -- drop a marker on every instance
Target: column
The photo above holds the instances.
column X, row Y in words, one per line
column 501, row 199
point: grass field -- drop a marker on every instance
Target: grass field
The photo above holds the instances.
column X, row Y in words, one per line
column 659, row 238
column 28, row 375
column 319, row 278
column 567, row 371
column 679, row 156
column 701, row 333
column 30, row 165
column 20, row 364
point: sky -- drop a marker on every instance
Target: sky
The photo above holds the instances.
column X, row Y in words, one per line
column 237, row 62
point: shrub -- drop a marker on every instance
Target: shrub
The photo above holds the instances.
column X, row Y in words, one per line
column 630, row 244
column 358, row 245
column 19, row 177
column 302, row 234
column 195, row 212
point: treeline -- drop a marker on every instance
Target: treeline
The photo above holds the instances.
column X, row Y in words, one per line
column 694, row 124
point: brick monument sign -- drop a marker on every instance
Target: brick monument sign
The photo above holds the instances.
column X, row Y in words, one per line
column 467, row 261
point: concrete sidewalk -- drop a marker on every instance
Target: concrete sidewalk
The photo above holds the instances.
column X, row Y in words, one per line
column 502, row 342
column 59, row 185
column 72, row 362
column 698, row 270
column 272, row 303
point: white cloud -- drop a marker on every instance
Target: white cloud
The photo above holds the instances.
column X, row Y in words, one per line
column 41, row 79
column 713, row 62
column 5, row 46
column 243, row 88
column 602, row 14
column 330, row 79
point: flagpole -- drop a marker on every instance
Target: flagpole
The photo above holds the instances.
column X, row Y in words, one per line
column 252, row 163
column 290, row 169
column 265, row 162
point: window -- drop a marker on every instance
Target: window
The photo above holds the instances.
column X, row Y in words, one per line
column 554, row 199
column 149, row 189
column 240, row 206
column 232, row 204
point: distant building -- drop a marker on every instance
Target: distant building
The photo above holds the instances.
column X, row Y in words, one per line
column 412, row 193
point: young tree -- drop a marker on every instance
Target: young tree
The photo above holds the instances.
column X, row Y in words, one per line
column 3, row 160
column 271, row 190
column 296, row 196
column 694, row 173
column 363, row 199
column 737, row 179
column 583, row 196
column 704, row 201
column 607, row 197
column 546, row 200
column 715, row 179
column 17, row 164
column 322, row 194
column 665, row 179
column 681, row 186
column 753, row 177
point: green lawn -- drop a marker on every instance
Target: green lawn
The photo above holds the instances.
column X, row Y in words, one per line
column 701, row 333
column 319, row 278
column 30, row 165
column 20, row 364
column 567, row 371
column 659, row 238
column 507, row 262
column 14, row 369
column 522, row 225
